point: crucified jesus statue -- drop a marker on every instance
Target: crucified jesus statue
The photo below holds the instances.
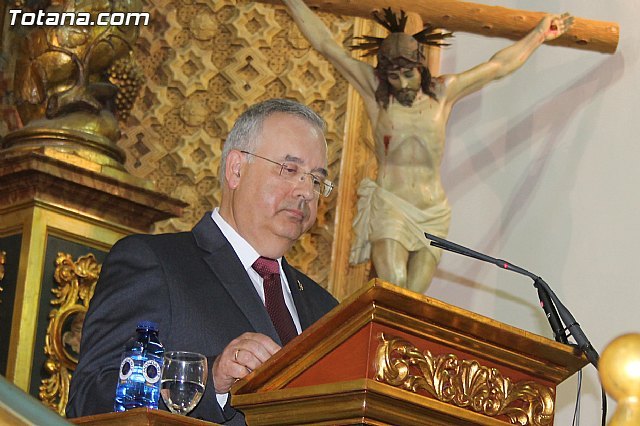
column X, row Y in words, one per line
column 408, row 110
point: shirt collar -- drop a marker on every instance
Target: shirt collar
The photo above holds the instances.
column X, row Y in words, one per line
column 247, row 254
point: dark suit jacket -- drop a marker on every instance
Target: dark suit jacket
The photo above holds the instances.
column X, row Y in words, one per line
column 195, row 287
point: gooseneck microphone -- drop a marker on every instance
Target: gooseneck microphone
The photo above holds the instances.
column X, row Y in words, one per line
column 556, row 312
column 559, row 333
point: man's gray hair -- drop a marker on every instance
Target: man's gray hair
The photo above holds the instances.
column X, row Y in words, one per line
column 245, row 134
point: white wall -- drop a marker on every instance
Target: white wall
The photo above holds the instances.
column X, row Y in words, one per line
column 542, row 169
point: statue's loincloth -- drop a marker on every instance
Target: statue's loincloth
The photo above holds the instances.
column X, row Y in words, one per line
column 381, row 214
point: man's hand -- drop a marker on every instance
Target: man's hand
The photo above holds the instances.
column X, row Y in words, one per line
column 241, row 356
column 553, row 26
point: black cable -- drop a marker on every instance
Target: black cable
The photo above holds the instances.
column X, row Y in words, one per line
column 604, row 406
column 576, row 411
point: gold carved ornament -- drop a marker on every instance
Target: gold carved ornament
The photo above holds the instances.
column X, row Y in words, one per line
column 73, row 83
column 76, row 284
column 463, row 383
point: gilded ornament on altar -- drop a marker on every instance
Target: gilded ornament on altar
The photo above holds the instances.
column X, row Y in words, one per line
column 127, row 76
column 73, row 82
column 463, row 383
column 76, row 283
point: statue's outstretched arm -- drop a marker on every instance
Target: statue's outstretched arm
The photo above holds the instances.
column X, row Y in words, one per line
column 506, row 60
column 359, row 74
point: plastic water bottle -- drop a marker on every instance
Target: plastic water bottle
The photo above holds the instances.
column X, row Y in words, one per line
column 140, row 370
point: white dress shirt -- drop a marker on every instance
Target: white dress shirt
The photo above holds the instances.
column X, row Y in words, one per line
column 248, row 255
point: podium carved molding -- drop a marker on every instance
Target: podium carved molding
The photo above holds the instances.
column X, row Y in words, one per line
column 76, row 283
column 464, row 383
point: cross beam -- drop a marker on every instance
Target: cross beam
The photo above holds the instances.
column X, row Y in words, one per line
column 490, row 21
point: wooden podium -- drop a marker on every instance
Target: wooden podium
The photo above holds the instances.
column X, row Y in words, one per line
column 390, row 356
column 140, row 417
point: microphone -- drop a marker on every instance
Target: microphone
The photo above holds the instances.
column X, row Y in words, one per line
column 548, row 307
column 548, row 298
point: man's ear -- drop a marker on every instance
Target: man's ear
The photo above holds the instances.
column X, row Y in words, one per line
column 235, row 161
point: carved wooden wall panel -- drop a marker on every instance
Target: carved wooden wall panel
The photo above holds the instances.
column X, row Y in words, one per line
column 205, row 62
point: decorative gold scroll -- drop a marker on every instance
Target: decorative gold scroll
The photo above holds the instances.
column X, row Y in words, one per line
column 463, row 383
column 76, row 283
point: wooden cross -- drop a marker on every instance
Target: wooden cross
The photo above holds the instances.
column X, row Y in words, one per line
column 491, row 21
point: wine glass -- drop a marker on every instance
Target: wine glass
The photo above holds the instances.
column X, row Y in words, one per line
column 184, row 376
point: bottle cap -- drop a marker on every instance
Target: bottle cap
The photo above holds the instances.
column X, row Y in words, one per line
column 148, row 325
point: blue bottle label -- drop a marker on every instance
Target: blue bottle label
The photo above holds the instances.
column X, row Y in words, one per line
column 151, row 371
column 138, row 369
column 126, row 368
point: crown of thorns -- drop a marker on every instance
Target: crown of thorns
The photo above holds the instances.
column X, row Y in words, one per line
column 428, row 36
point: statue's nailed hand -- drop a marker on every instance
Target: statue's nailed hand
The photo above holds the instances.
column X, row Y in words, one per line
column 553, row 26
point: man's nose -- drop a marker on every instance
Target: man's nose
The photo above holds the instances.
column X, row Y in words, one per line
column 304, row 187
column 403, row 82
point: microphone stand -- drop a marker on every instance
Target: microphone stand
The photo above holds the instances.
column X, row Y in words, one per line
column 548, row 298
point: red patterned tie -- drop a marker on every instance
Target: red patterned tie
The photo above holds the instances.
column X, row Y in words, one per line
column 269, row 270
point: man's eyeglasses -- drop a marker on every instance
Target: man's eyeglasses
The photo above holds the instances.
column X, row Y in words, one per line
column 293, row 173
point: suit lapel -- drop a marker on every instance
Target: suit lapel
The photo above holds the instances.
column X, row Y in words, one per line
column 297, row 291
column 229, row 272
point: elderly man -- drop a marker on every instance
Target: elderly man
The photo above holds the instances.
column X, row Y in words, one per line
column 409, row 110
column 204, row 287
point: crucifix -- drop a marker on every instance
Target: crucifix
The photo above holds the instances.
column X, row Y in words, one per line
column 476, row 18
column 408, row 105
